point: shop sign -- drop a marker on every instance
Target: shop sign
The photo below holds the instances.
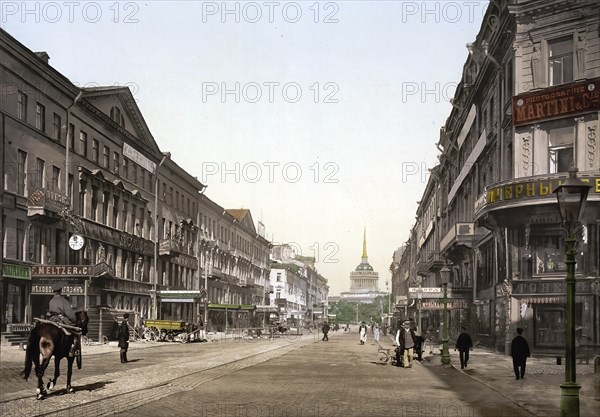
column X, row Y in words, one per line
column 61, row 270
column 549, row 287
column 551, row 103
column 185, row 261
column 70, row 286
column 527, row 190
column 51, row 200
column 138, row 158
column 438, row 305
column 16, row 271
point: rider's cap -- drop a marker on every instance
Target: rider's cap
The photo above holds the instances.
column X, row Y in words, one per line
column 57, row 288
column 126, row 315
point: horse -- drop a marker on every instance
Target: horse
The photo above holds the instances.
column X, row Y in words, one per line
column 45, row 340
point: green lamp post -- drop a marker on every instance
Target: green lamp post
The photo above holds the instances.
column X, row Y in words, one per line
column 445, row 273
column 572, row 197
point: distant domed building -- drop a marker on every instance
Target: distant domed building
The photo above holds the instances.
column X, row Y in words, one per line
column 364, row 281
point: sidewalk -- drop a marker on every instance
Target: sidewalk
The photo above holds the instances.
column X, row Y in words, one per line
column 538, row 392
column 16, row 354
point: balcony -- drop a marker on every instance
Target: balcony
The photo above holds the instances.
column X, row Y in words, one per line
column 434, row 262
column 171, row 247
column 46, row 205
column 459, row 234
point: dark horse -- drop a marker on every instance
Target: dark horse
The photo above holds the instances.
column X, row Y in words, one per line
column 46, row 340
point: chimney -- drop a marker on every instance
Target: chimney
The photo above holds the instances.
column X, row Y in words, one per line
column 43, row 56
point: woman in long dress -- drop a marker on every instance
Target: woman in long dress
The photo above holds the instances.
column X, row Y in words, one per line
column 363, row 333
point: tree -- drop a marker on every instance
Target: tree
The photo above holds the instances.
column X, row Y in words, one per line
column 348, row 311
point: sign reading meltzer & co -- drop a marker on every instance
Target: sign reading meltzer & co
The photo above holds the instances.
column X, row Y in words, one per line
column 61, row 270
column 550, row 103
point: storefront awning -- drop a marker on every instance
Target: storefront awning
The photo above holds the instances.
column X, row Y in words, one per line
column 231, row 306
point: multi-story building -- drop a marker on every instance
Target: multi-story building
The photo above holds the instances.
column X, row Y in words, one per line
column 551, row 105
column 90, row 201
column 524, row 112
column 299, row 291
column 78, row 162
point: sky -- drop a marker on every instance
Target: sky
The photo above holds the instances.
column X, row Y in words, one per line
column 321, row 117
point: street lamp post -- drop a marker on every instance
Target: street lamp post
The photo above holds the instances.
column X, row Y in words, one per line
column 572, row 197
column 445, row 275
column 211, row 244
column 419, row 297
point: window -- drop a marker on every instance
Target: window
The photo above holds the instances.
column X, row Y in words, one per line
column 126, row 168
column 124, row 216
column 39, row 173
column 21, row 171
column 115, row 215
column 71, row 135
column 81, row 201
column 95, row 150
column 94, row 203
column 560, row 147
column 117, row 117
column 142, row 178
column 105, row 204
column 133, row 219
column 21, row 106
column 70, row 190
column 116, row 162
column 40, row 117
column 560, row 60
column 141, row 221
column 55, row 177
column 20, row 239
column 279, row 277
column 83, row 143
column 177, row 200
column 106, row 157
column 56, row 127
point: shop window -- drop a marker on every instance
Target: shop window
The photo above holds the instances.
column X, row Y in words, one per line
column 548, row 253
column 560, row 148
column 560, row 61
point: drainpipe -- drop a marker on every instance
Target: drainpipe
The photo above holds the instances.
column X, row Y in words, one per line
column 154, row 314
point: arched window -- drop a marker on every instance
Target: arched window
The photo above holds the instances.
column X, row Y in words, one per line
column 116, row 116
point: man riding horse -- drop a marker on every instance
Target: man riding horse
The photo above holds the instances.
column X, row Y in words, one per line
column 61, row 312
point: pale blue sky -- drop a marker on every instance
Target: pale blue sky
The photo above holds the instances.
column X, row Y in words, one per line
column 372, row 57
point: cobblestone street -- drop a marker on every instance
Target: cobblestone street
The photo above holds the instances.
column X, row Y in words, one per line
column 289, row 376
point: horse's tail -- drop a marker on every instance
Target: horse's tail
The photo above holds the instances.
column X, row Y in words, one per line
column 32, row 345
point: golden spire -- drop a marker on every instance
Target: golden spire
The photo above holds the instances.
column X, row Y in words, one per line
column 364, row 254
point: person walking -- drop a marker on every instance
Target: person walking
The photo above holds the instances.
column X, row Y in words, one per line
column 519, row 350
column 405, row 339
column 362, row 331
column 376, row 333
column 124, row 337
column 325, row 330
column 463, row 344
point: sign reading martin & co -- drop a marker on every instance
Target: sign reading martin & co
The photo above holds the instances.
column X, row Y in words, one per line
column 552, row 103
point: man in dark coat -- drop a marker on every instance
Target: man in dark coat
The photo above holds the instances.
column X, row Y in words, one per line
column 405, row 340
column 61, row 311
column 519, row 350
column 325, row 330
column 463, row 344
column 124, row 337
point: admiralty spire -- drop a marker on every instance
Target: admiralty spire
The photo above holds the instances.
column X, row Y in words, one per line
column 364, row 281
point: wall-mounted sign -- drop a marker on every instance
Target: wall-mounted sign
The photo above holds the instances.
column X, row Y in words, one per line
column 37, row 289
column 552, row 103
column 138, row 158
column 16, row 271
column 61, row 270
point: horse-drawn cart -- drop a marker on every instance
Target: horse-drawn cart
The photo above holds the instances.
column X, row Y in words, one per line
column 170, row 331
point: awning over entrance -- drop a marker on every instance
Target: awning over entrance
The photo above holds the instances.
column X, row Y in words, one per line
column 231, row 306
column 179, row 296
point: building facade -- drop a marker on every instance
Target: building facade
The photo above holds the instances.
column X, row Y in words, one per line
column 525, row 110
column 91, row 202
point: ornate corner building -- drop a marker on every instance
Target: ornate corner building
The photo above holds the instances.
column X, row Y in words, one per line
column 525, row 110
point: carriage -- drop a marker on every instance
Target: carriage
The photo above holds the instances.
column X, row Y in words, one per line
column 171, row 331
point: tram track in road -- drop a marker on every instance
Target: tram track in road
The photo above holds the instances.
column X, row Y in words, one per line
column 178, row 376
